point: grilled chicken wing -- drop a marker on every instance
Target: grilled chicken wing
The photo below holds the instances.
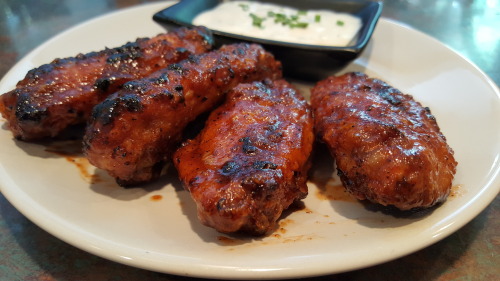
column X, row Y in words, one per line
column 250, row 161
column 133, row 132
column 62, row 93
column 387, row 147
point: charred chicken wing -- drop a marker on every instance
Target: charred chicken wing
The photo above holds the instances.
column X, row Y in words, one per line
column 250, row 161
column 134, row 132
column 387, row 147
column 62, row 93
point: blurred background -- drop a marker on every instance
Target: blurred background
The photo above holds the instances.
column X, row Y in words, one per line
column 471, row 27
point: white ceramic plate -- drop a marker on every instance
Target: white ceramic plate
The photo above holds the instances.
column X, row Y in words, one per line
column 84, row 207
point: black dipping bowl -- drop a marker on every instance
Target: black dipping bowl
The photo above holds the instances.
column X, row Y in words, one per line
column 304, row 62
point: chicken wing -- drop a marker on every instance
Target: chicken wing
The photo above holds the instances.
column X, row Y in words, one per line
column 133, row 132
column 387, row 147
column 250, row 162
column 62, row 93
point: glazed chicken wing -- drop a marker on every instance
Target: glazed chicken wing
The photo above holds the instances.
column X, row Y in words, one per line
column 387, row 147
column 62, row 93
column 133, row 132
column 250, row 161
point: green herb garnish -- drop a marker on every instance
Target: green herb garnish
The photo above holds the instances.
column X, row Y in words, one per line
column 280, row 18
column 317, row 18
column 256, row 20
column 292, row 21
column 340, row 23
column 245, row 7
column 298, row 24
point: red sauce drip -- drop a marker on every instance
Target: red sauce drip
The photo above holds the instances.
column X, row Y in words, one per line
column 156, row 197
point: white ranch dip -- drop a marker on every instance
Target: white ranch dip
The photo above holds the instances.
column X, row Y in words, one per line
column 273, row 22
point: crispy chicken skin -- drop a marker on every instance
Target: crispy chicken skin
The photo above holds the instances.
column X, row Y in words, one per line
column 250, row 162
column 134, row 132
column 387, row 147
column 62, row 93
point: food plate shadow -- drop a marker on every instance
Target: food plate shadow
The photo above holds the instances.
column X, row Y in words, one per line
column 208, row 234
column 51, row 148
column 377, row 216
column 329, row 187
column 104, row 184
column 188, row 207
column 205, row 233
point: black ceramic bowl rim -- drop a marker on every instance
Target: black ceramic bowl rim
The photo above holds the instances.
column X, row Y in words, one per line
column 363, row 38
column 324, row 57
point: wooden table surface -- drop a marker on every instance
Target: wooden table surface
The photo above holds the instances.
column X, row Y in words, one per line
column 472, row 253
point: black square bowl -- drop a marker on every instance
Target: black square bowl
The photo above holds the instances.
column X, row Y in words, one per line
column 300, row 61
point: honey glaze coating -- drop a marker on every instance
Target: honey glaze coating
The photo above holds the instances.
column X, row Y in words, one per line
column 133, row 133
column 387, row 147
column 250, row 162
column 62, row 93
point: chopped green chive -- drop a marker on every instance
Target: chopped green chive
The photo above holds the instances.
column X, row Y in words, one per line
column 340, row 23
column 293, row 21
column 256, row 20
column 317, row 18
column 244, row 7
column 299, row 25
column 279, row 17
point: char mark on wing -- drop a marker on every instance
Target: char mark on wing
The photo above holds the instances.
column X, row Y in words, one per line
column 247, row 146
column 129, row 51
column 264, row 165
column 106, row 111
column 388, row 94
column 229, row 167
column 26, row 110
